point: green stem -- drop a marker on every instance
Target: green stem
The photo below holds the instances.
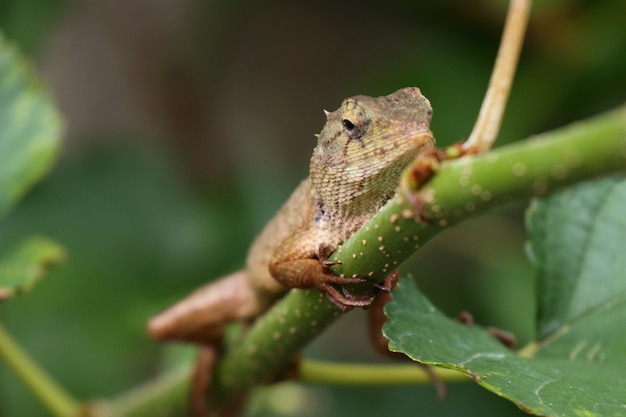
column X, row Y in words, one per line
column 271, row 343
column 164, row 397
column 468, row 186
column 333, row 373
column 461, row 189
column 53, row 397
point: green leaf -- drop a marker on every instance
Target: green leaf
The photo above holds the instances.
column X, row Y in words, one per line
column 21, row 269
column 547, row 384
column 575, row 366
column 577, row 244
column 30, row 128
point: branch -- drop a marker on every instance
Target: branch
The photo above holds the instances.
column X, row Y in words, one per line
column 461, row 189
column 333, row 373
column 492, row 109
column 165, row 396
column 55, row 399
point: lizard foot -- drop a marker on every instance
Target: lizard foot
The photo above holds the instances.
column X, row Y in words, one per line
column 315, row 273
column 323, row 253
column 389, row 283
column 346, row 300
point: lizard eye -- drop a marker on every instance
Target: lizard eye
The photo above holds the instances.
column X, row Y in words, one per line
column 348, row 125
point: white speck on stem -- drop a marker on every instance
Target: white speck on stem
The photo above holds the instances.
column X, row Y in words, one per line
column 518, row 169
column 559, row 172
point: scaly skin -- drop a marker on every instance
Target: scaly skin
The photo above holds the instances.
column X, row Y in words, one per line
column 355, row 168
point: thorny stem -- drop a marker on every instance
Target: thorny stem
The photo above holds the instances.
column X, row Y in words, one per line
column 55, row 399
column 492, row 109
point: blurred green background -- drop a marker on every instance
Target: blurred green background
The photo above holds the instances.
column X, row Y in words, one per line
column 188, row 123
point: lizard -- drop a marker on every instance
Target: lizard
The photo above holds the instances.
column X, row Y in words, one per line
column 355, row 168
column 361, row 153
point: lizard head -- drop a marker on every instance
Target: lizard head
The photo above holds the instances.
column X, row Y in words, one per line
column 365, row 145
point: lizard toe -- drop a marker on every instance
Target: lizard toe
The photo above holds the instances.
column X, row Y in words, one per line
column 345, row 300
column 363, row 300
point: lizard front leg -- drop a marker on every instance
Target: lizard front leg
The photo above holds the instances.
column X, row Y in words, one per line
column 300, row 263
column 314, row 273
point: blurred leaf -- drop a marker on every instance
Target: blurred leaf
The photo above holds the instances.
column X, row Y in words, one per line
column 577, row 245
column 576, row 364
column 138, row 238
column 30, row 128
column 28, row 22
column 21, row 269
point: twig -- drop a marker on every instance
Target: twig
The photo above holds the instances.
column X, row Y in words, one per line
column 492, row 109
column 53, row 397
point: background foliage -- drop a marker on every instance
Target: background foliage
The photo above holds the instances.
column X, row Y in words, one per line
column 188, row 123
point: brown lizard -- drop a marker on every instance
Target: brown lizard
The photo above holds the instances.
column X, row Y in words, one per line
column 361, row 152
column 355, row 168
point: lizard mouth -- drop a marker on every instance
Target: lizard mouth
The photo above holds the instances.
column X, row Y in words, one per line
column 417, row 130
column 422, row 137
column 414, row 138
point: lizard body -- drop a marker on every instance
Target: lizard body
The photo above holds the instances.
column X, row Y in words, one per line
column 362, row 150
column 355, row 168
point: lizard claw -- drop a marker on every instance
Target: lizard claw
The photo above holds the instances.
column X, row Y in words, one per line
column 345, row 300
column 389, row 283
column 364, row 299
column 327, row 264
column 323, row 253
